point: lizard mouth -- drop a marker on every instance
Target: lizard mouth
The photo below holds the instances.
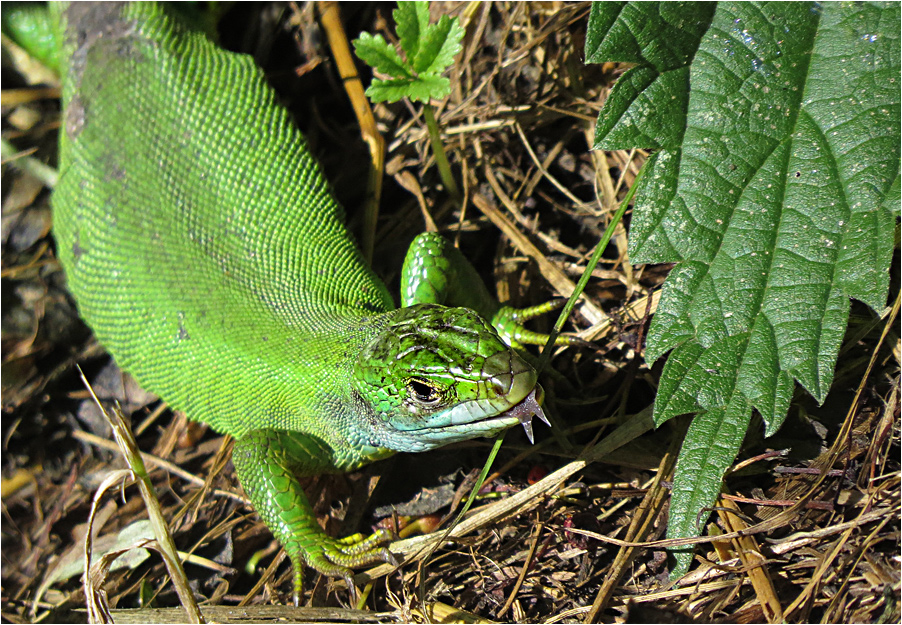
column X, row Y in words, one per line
column 521, row 412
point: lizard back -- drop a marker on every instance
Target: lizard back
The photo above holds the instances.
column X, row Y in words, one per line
column 199, row 237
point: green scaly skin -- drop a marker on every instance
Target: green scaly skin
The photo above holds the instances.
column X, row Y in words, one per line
column 206, row 252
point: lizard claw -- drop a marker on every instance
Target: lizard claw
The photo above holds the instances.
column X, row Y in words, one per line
column 335, row 557
column 508, row 322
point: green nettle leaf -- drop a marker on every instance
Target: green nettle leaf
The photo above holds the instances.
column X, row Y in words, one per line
column 647, row 109
column 378, row 54
column 420, row 89
column 440, row 43
column 429, row 86
column 428, row 48
column 411, row 21
column 774, row 195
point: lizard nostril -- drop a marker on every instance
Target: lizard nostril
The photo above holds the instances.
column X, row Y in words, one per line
column 501, row 384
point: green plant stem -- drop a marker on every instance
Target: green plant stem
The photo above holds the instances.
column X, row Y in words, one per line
column 474, row 492
column 590, row 267
column 438, row 149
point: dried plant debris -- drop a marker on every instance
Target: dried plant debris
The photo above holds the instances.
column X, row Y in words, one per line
column 517, row 127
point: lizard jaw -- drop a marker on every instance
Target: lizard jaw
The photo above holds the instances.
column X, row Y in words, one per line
column 437, row 436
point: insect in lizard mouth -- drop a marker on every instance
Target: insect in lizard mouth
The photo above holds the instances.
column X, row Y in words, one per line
column 527, row 409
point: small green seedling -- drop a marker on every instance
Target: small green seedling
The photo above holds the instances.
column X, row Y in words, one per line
column 428, row 50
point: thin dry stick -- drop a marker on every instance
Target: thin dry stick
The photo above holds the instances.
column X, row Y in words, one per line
column 158, row 463
column 409, row 182
column 609, row 200
column 551, row 272
column 267, row 574
column 767, row 526
column 753, row 561
column 535, row 159
column 803, row 539
column 643, row 521
column 673, row 593
column 341, row 51
column 872, row 538
column 824, row 569
column 810, row 589
column 636, row 426
column 634, row 310
column 17, row 97
column 527, row 564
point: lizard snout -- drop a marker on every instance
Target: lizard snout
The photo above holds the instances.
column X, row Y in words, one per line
column 509, row 376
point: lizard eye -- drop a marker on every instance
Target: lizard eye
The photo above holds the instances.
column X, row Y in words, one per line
column 422, row 392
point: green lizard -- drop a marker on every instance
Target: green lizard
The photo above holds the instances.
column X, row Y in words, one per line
column 207, row 254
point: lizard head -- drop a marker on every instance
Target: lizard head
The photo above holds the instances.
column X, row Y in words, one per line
column 437, row 375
